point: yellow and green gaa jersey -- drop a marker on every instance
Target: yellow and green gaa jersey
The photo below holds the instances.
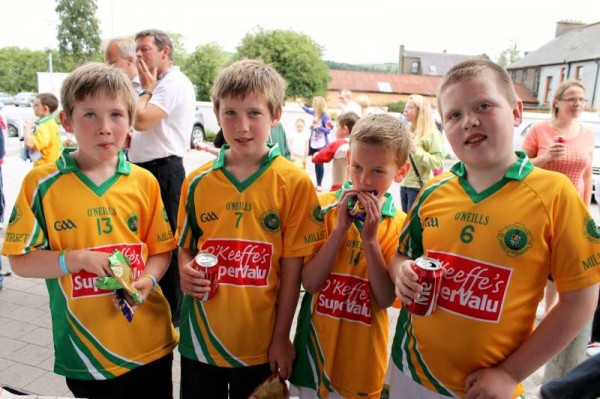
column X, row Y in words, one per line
column 341, row 338
column 498, row 248
column 250, row 227
column 46, row 140
column 59, row 208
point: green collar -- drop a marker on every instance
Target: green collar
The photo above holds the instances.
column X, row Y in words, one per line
column 387, row 210
column 219, row 162
column 517, row 171
column 44, row 119
column 67, row 164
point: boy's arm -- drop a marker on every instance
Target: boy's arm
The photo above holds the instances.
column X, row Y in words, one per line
column 45, row 263
column 27, row 135
column 156, row 266
column 193, row 282
column 281, row 350
column 556, row 330
column 405, row 279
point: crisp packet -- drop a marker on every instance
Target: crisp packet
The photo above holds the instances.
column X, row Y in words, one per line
column 356, row 209
column 272, row 388
column 121, row 282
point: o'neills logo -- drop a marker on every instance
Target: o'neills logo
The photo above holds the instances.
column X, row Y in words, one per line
column 472, row 289
column 345, row 297
column 242, row 263
column 84, row 283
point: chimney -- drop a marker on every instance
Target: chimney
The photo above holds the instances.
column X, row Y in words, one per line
column 565, row 26
column 401, row 60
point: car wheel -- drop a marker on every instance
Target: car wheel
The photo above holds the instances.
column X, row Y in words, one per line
column 12, row 131
column 197, row 136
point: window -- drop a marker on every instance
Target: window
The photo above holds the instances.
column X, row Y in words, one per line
column 547, row 89
column 385, row 87
column 562, row 74
column 524, row 76
column 414, row 67
column 514, row 76
column 536, row 82
column 578, row 72
column 433, row 69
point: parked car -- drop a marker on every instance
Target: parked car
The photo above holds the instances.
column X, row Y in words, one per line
column 198, row 133
column 14, row 127
column 589, row 119
column 24, row 98
column 6, row 99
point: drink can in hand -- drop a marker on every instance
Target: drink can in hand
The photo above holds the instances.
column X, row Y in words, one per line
column 208, row 263
column 430, row 275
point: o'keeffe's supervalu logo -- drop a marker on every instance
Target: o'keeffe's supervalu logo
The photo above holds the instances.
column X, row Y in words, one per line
column 317, row 214
column 270, row 221
column 515, row 239
column 591, row 231
column 132, row 223
column 15, row 215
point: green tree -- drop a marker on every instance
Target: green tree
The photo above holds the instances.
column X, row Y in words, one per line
column 294, row 55
column 202, row 66
column 20, row 67
column 78, row 31
column 509, row 55
column 179, row 53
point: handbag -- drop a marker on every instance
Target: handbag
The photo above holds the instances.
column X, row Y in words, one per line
column 419, row 178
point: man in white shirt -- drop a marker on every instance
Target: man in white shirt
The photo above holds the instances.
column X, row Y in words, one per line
column 163, row 124
column 347, row 104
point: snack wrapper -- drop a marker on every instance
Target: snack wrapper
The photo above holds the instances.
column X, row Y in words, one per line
column 121, row 283
column 272, row 388
column 356, row 209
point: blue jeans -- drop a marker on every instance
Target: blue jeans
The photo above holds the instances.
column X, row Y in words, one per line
column 407, row 197
column 583, row 382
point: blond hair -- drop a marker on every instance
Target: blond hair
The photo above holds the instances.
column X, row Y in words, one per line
column 363, row 100
column 425, row 123
column 94, row 79
column 560, row 90
column 250, row 76
column 383, row 130
column 475, row 68
column 319, row 105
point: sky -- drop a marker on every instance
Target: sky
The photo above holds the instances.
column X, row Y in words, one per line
column 351, row 31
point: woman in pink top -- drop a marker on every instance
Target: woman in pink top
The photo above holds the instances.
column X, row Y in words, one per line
column 564, row 145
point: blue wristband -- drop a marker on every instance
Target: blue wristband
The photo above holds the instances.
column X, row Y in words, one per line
column 61, row 261
column 152, row 278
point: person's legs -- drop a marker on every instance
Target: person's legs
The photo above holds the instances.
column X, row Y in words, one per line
column 583, row 382
column 244, row 380
column 411, row 194
column 200, row 380
column 403, row 199
column 319, row 172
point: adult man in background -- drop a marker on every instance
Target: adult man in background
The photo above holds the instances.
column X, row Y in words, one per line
column 347, row 104
column 163, row 122
column 120, row 52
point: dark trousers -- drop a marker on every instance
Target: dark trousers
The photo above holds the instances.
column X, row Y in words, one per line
column 201, row 380
column 153, row 380
column 583, row 382
column 170, row 174
column 407, row 197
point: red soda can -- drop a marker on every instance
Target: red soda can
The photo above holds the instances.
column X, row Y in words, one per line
column 430, row 275
column 208, row 263
column 559, row 139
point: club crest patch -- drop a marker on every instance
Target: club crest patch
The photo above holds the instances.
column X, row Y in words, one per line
column 132, row 223
column 270, row 221
column 515, row 239
column 317, row 214
column 591, row 231
column 15, row 215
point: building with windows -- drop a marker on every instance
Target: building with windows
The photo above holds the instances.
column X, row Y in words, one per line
column 574, row 53
column 431, row 64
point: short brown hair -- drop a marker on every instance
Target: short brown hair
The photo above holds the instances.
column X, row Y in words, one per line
column 161, row 39
column 479, row 67
column 347, row 119
column 383, row 130
column 48, row 100
column 250, row 76
column 93, row 79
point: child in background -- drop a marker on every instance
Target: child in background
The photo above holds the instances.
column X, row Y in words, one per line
column 343, row 322
column 499, row 227
column 117, row 206
column 259, row 215
column 337, row 150
column 299, row 144
column 43, row 135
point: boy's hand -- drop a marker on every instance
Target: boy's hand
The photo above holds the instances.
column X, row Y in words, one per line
column 144, row 284
column 193, row 282
column 406, row 282
column 372, row 208
column 91, row 261
column 281, row 356
column 493, row 382
column 344, row 219
column 148, row 77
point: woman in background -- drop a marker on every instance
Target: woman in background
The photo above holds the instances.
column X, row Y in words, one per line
column 319, row 133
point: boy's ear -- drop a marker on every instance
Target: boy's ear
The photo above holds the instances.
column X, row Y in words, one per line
column 401, row 172
column 276, row 118
column 518, row 113
column 65, row 121
column 348, row 157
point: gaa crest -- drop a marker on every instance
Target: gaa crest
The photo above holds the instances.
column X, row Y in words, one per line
column 515, row 239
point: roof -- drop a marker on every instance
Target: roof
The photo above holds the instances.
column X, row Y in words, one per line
column 578, row 44
column 441, row 62
column 378, row 82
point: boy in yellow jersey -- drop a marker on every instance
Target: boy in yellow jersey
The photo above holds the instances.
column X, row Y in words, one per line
column 343, row 323
column 43, row 135
column 499, row 226
column 69, row 217
column 259, row 215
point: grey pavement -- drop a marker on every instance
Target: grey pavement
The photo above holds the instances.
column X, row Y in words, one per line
column 26, row 351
